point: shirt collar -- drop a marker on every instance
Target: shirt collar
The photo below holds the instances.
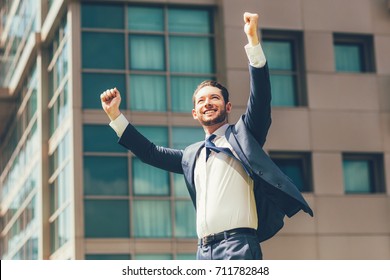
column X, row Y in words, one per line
column 220, row 131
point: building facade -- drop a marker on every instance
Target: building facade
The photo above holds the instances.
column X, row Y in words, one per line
column 69, row 191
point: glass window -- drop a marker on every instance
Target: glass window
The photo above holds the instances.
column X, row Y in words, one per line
column 149, row 180
column 148, row 93
column 189, row 21
column 102, row 16
column 182, row 58
column 283, row 51
column 107, row 257
column 185, row 136
column 363, row 173
column 156, row 134
column 354, row 53
column 185, row 219
column 106, row 218
column 101, row 138
column 186, row 256
column 185, row 31
column 297, row 166
column 357, row 176
column 152, row 219
column 60, row 189
column 147, row 52
column 153, row 257
column 98, row 50
column 279, row 57
column 60, row 230
column 105, row 175
column 137, row 15
column 182, row 89
column 96, row 83
column 348, row 58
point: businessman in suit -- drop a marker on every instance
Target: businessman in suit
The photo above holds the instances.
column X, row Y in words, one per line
column 241, row 197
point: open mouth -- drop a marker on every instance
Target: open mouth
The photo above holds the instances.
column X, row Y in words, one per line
column 209, row 112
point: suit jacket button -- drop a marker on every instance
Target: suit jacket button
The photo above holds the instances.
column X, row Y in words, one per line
column 279, row 185
column 261, row 173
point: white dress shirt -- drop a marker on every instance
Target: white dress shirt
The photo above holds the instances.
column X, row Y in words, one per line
column 224, row 191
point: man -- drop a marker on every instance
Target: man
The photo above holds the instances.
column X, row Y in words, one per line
column 240, row 195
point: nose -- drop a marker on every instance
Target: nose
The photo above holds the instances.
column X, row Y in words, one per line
column 207, row 102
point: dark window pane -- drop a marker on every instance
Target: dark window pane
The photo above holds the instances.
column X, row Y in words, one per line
column 102, row 16
column 278, row 54
column 182, row 58
column 105, row 175
column 189, row 21
column 100, row 138
column 103, row 50
column 95, row 83
column 357, row 176
column 182, row 89
column 106, row 218
column 348, row 58
column 148, row 93
column 153, row 257
column 147, row 52
column 283, row 90
column 107, row 257
column 157, row 134
column 185, row 136
column 149, row 180
column 186, row 256
column 152, row 218
column 185, row 226
column 145, row 18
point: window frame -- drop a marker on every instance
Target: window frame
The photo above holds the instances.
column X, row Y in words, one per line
column 377, row 172
column 299, row 72
column 366, row 50
column 166, row 34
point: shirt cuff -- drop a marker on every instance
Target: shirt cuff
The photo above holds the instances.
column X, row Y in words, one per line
column 119, row 125
column 255, row 55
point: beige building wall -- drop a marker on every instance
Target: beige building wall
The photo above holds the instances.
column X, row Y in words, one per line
column 346, row 113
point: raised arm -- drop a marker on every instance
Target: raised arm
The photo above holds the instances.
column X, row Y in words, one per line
column 160, row 157
column 258, row 112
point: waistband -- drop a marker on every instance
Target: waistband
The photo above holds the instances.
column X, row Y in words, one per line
column 217, row 237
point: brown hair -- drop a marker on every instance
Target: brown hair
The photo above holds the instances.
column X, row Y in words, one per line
column 211, row 83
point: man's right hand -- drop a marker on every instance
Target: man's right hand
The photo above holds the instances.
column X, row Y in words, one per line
column 111, row 99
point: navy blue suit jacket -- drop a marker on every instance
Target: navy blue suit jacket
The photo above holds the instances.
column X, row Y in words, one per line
column 275, row 194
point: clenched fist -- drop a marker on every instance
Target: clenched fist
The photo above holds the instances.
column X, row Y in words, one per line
column 111, row 99
column 250, row 28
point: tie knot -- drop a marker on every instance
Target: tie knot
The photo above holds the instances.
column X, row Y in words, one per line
column 211, row 137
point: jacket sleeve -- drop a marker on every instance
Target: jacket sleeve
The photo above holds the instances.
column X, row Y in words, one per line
column 157, row 156
column 257, row 117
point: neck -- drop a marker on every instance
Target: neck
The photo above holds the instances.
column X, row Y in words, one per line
column 212, row 128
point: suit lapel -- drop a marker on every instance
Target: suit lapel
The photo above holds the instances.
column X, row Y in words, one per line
column 189, row 166
column 231, row 138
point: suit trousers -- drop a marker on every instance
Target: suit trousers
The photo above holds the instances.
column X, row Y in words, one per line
column 235, row 247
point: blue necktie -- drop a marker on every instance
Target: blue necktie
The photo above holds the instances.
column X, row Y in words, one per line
column 211, row 146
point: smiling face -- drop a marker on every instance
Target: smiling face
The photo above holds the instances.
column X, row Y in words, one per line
column 210, row 108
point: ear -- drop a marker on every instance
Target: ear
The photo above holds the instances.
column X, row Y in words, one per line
column 194, row 114
column 228, row 107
